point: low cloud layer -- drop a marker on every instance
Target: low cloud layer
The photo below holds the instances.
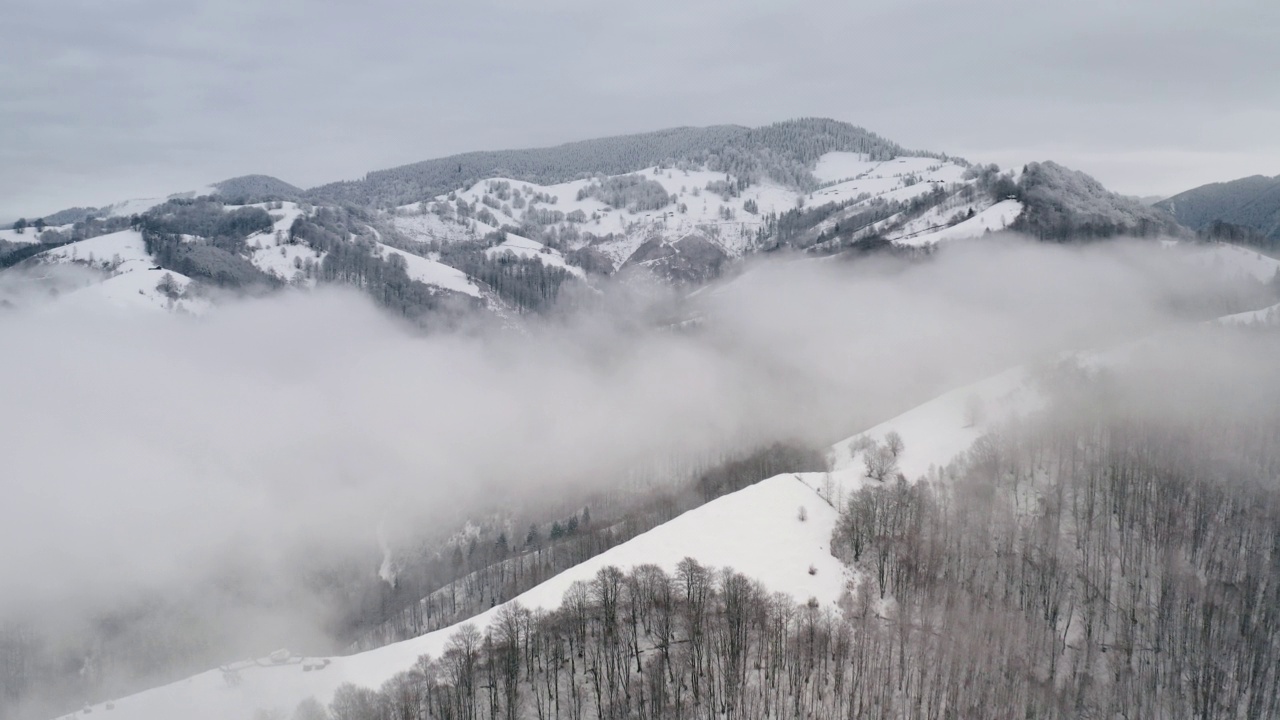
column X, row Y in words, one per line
column 144, row 453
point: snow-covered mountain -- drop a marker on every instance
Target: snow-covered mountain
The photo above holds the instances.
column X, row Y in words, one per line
column 682, row 223
column 683, row 205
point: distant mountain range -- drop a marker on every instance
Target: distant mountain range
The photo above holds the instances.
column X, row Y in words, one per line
column 504, row 230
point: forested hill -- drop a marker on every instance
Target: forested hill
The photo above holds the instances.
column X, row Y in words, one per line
column 1244, row 210
column 783, row 151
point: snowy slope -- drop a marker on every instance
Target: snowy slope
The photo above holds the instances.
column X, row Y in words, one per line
column 271, row 253
column 1266, row 316
column 138, row 206
column 696, row 210
column 1232, row 260
column 131, row 279
column 429, row 227
column 27, row 236
column 936, row 432
column 756, row 530
column 135, row 288
column 102, row 251
column 433, row 272
column 925, row 230
column 526, row 248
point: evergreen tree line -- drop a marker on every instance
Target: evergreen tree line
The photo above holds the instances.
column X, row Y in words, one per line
column 634, row 193
column 352, row 258
column 1063, row 205
column 205, row 261
column 798, row 227
column 12, row 254
column 1222, row 231
column 528, row 284
column 208, row 218
column 783, row 151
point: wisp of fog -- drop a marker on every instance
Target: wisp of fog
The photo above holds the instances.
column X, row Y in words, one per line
column 143, row 454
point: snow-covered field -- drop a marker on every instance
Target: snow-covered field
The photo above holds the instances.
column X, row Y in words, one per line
column 131, row 278
column 135, row 287
column 938, row 431
column 925, row 231
column 28, row 235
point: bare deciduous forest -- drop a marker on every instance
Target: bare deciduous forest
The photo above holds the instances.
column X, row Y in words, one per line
column 1118, row 555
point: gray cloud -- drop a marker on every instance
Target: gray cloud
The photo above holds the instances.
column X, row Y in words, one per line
column 103, row 101
column 140, row 450
column 224, row 473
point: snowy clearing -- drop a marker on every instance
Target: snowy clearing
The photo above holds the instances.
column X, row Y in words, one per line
column 432, row 272
column 992, row 219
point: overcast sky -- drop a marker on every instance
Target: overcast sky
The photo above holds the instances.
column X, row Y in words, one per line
column 105, row 101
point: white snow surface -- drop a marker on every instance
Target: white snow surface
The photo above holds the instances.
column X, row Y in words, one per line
column 526, row 248
column 28, row 236
column 134, row 288
column 1265, row 316
column 131, row 276
column 757, row 531
column 116, row 247
column 281, row 259
column 1231, row 259
column 936, row 432
column 433, row 272
column 429, row 226
column 991, row 219
column 138, row 206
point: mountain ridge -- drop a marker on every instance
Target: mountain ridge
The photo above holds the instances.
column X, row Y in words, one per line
column 1250, row 202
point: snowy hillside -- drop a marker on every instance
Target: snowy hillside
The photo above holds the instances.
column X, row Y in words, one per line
column 616, row 215
column 27, row 236
column 532, row 249
column 431, row 272
column 1265, row 316
column 1231, row 260
column 130, row 278
column 756, row 530
column 137, row 206
column 759, row 531
column 123, row 269
column 933, row 227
